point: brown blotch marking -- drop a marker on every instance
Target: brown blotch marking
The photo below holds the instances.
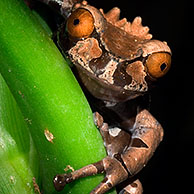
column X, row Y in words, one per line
column 99, row 166
column 107, row 182
column 120, row 43
column 134, row 185
column 121, row 77
column 98, row 65
column 138, row 143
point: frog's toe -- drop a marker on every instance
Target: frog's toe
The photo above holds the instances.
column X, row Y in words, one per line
column 61, row 180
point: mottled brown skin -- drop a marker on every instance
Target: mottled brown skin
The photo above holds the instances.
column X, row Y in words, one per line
column 122, row 48
column 116, row 61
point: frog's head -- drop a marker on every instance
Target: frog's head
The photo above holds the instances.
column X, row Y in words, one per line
column 116, row 60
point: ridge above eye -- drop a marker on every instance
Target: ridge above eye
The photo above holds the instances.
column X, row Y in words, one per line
column 80, row 23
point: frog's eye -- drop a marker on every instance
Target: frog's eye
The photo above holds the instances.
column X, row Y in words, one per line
column 158, row 64
column 80, row 24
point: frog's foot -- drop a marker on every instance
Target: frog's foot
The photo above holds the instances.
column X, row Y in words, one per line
column 115, row 173
column 134, row 187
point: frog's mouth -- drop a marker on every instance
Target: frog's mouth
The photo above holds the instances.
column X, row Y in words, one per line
column 103, row 90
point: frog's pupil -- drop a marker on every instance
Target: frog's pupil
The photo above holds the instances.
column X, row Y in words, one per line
column 163, row 66
column 76, row 22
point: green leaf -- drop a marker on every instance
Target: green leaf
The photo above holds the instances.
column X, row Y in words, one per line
column 60, row 119
column 18, row 158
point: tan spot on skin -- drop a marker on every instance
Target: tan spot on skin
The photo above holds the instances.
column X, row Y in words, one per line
column 49, row 136
column 136, row 71
column 84, row 51
column 109, row 71
column 114, row 131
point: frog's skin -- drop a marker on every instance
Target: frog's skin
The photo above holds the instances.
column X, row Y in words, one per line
column 117, row 61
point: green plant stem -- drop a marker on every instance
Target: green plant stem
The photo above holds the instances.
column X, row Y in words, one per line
column 18, row 157
column 49, row 98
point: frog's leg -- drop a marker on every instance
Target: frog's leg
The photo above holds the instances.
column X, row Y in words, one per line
column 115, row 139
column 127, row 155
column 114, row 170
column 115, row 142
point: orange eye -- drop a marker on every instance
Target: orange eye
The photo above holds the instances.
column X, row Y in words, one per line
column 80, row 24
column 158, row 64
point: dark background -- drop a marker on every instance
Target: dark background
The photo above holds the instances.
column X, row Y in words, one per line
column 170, row 169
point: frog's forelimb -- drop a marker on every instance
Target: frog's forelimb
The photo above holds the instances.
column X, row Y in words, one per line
column 127, row 154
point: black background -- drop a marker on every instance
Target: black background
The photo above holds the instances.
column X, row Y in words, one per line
column 170, row 169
